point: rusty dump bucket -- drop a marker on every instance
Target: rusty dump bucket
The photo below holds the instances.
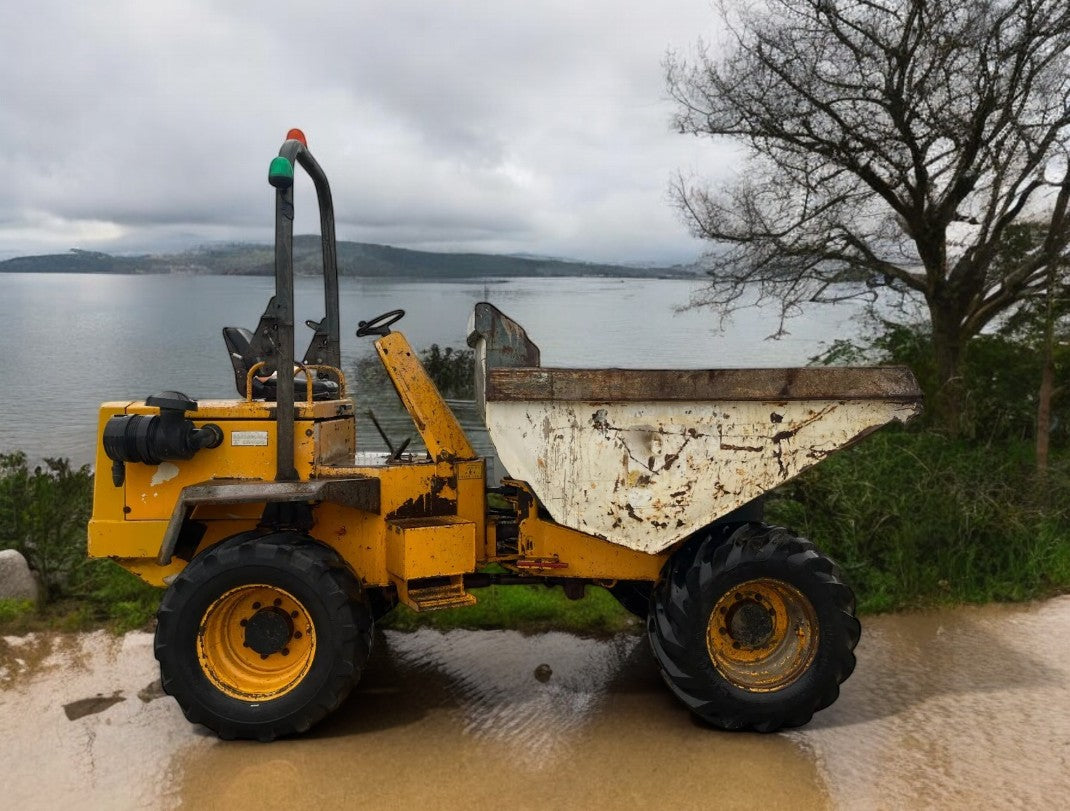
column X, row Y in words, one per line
column 644, row 458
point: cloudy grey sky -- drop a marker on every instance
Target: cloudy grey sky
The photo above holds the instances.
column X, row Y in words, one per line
column 537, row 126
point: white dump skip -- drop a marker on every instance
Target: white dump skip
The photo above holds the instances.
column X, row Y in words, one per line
column 647, row 474
column 644, row 458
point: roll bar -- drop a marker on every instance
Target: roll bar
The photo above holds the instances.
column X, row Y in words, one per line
column 325, row 347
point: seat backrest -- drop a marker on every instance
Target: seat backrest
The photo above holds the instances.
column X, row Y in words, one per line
column 239, row 343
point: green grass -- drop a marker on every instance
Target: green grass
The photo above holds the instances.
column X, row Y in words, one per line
column 12, row 611
column 121, row 603
column 119, row 599
column 107, row 596
column 530, row 609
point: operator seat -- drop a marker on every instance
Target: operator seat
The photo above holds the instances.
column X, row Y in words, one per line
column 239, row 343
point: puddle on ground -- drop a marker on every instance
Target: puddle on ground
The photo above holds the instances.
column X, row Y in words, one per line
column 23, row 657
column 466, row 719
column 967, row 708
column 961, row 708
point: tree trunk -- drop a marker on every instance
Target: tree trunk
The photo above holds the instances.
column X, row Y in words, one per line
column 1047, row 386
column 1047, row 380
column 948, row 348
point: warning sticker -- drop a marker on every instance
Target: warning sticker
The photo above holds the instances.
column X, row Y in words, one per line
column 249, row 438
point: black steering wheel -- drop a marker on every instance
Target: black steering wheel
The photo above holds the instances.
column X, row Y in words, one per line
column 380, row 325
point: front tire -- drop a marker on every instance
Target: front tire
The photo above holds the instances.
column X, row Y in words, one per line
column 262, row 638
column 753, row 628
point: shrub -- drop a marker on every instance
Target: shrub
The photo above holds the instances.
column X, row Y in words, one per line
column 916, row 518
column 451, row 370
column 1000, row 378
column 43, row 514
column 11, row 610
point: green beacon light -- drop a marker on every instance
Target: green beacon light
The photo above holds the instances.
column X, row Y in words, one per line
column 281, row 173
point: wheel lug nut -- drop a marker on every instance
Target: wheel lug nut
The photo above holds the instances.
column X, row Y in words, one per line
column 278, row 601
column 263, row 656
column 285, row 652
column 243, row 623
column 297, row 634
column 293, row 614
column 724, row 630
column 256, row 606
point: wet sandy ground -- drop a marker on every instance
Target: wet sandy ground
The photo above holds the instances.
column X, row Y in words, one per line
column 954, row 709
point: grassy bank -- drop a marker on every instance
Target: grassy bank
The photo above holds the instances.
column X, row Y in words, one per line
column 918, row 519
column 43, row 514
column 110, row 597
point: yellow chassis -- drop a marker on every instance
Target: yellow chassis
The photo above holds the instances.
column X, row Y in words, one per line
column 431, row 519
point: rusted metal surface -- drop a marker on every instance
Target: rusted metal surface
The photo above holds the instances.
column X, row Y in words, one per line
column 543, row 544
column 499, row 342
column 762, row 635
column 507, row 342
column 646, row 475
column 661, row 385
column 440, row 498
column 644, row 458
column 443, row 436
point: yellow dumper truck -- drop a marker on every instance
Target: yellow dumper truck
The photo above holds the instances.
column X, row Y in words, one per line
column 278, row 546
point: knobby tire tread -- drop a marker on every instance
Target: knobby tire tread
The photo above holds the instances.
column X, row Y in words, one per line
column 324, row 573
column 702, row 570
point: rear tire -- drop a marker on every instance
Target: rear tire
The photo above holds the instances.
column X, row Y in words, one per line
column 753, row 628
column 259, row 638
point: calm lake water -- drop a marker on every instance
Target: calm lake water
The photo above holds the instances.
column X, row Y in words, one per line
column 72, row 341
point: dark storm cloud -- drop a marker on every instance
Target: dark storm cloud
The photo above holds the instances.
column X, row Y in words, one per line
column 507, row 126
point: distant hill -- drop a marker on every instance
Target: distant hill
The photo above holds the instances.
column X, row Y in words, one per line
column 354, row 259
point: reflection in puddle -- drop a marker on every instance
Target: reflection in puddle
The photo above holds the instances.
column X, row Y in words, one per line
column 460, row 720
column 969, row 707
column 959, row 707
column 494, row 677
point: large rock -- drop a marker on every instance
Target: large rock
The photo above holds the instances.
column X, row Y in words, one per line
column 16, row 580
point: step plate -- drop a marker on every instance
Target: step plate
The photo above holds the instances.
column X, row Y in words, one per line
column 435, row 598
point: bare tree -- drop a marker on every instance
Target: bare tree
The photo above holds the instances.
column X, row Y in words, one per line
column 890, row 145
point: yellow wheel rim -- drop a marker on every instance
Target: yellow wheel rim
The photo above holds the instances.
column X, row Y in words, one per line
column 762, row 635
column 256, row 642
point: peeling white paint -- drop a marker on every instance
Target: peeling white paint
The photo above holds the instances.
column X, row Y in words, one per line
column 656, row 472
column 164, row 473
